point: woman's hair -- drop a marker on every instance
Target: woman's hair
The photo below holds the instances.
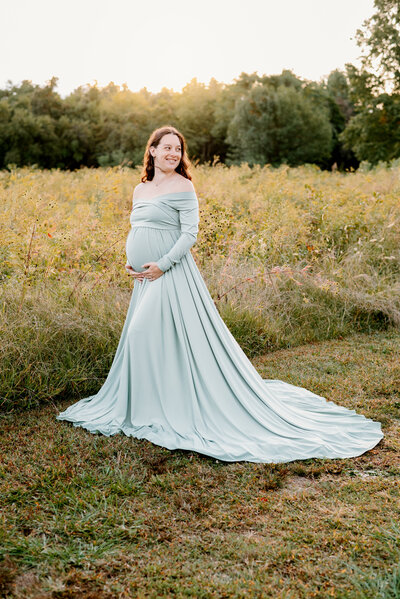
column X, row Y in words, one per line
column 148, row 160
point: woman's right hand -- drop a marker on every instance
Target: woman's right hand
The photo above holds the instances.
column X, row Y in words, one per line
column 132, row 273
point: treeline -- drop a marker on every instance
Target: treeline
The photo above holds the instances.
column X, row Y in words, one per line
column 257, row 119
column 338, row 122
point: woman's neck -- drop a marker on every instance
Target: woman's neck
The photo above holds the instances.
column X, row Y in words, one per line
column 161, row 177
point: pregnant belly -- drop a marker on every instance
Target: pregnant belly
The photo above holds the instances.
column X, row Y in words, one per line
column 146, row 244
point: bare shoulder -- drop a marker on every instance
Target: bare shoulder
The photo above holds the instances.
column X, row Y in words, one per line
column 137, row 190
column 184, row 184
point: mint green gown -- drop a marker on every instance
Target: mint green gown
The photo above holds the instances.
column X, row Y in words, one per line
column 180, row 379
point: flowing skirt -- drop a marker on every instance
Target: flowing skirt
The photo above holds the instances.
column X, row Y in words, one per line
column 180, row 379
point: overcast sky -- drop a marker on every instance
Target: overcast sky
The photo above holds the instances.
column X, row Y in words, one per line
column 157, row 43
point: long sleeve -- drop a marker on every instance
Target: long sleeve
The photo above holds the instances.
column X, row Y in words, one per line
column 189, row 223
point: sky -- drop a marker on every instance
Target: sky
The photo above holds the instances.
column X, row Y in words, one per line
column 162, row 43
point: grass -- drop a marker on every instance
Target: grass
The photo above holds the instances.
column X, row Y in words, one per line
column 290, row 256
column 303, row 266
column 93, row 517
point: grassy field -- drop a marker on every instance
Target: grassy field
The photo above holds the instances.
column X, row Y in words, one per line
column 304, row 268
column 86, row 516
column 290, row 256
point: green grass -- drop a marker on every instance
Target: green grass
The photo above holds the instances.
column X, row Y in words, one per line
column 94, row 517
column 54, row 348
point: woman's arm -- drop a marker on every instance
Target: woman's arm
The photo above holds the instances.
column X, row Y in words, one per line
column 189, row 221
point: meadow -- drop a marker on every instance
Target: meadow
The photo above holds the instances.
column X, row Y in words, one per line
column 303, row 266
column 290, row 256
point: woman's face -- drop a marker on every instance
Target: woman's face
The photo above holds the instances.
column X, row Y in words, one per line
column 168, row 153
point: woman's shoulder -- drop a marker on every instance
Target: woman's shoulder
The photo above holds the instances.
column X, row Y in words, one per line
column 139, row 187
column 184, row 184
column 183, row 195
column 180, row 185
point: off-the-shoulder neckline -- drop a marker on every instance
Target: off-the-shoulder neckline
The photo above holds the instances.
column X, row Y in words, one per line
column 171, row 193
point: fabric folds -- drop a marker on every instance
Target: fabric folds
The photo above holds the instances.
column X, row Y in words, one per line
column 180, row 379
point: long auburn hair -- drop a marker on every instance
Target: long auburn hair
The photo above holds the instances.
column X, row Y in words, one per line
column 147, row 173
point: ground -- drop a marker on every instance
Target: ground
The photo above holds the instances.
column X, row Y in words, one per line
column 93, row 517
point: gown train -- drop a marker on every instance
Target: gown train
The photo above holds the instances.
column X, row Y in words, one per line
column 180, row 379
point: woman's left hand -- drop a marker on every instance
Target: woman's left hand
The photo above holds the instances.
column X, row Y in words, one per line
column 152, row 272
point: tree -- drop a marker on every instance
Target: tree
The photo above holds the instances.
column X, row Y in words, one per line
column 28, row 124
column 197, row 118
column 373, row 133
column 379, row 39
column 341, row 110
column 277, row 124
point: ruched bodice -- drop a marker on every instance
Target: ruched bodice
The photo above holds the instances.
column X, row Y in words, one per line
column 173, row 219
column 161, row 212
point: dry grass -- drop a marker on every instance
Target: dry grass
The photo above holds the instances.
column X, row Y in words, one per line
column 290, row 256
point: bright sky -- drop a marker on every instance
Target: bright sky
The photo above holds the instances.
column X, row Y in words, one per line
column 159, row 43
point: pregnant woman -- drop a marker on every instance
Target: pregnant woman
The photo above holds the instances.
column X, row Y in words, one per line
column 179, row 378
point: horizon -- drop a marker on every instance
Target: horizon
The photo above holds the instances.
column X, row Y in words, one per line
column 97, row 41
column 95, row 83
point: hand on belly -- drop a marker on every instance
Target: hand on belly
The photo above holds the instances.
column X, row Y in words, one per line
column 151, row 273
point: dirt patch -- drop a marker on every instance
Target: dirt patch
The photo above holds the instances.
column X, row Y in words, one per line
column 296, row 484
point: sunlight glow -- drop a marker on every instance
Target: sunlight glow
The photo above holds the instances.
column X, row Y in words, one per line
column 164, row 44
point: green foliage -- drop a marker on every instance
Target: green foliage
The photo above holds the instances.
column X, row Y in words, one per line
column 279, row 122
column 55, row 348
column 380, row 40
column 341, row 109
column 110, row 126
column 350, row 118
column 196, row 116
column 373, row 132
column 277, row 119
